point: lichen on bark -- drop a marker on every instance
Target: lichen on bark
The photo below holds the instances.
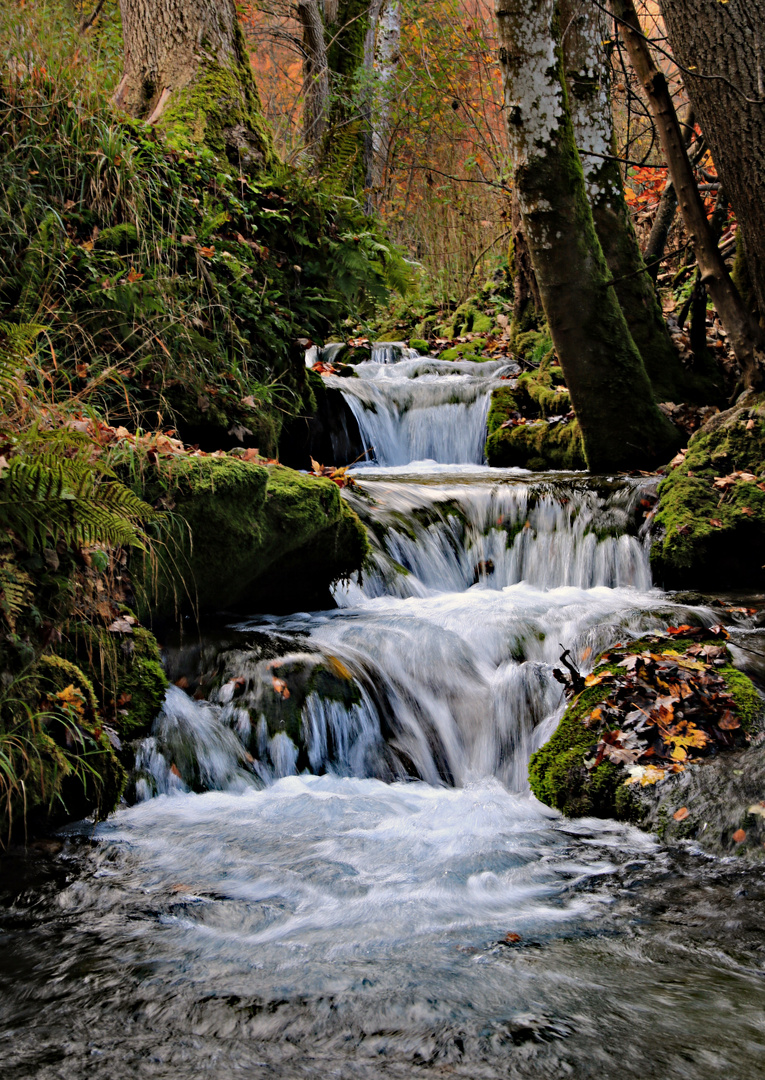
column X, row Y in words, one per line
column 620, row 423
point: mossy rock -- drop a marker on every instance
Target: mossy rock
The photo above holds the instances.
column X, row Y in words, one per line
column 538, row 446
column 710, row 537
column 251, row 536
column 465, row 350
column 121, row 239
column 126, row 672
column 546, row 391
column 420, row 345
column 557, row 773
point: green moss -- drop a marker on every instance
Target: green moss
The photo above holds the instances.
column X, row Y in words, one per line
column 482, row 324
column 504, row 401
column 122, row 239
column 221, row 110
column 420, row 345
column 557, row 773
column 705, row 536
column 250, row 535
column 548, row 396
column 538, row 446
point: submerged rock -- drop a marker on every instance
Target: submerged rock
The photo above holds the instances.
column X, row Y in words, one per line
column 709, row 529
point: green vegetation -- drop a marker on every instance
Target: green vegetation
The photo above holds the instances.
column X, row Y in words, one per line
column 250, row 535
column 710, row 523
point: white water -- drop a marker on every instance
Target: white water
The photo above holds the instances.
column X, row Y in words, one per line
column 337, row 901
column 422, row 408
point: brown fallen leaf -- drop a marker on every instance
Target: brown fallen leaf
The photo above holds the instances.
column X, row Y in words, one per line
column 728, row 722
column 681, row 814
column 512, row 938
column 739, row 836
column 715, row 522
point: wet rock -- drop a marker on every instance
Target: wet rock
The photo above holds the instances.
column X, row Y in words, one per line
column 709, row 530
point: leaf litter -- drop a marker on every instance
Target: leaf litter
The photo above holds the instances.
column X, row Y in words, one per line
column 664, row 707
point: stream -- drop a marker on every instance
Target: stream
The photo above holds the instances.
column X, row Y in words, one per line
column 334, row 867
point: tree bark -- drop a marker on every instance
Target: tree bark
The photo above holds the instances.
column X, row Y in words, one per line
column 527, row 303
column 316, row 75
column 744, row 334
column 665, row 213
column 621, row 425
column 722, row 48
column 585, row 32
column 387, row 54
column 186, row 67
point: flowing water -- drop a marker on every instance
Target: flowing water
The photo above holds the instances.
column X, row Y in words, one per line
column 334, row 866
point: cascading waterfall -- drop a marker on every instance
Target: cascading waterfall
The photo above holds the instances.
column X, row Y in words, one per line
column 438, row 662
column 423, row 408
column 334, row 866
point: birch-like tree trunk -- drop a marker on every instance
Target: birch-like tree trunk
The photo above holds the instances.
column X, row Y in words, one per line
column 585, row 32
column 186, row 67
column 387, row 53
column 622, row 428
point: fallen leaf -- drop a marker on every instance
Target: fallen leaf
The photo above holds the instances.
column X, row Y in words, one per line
column 681, row 814
column 715, row 522
column 123, row 625
column 133, row 275
column 739, row 836
column 728, row 721
column 512, row 938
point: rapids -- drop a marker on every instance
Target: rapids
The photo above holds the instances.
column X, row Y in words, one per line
column 333, row 865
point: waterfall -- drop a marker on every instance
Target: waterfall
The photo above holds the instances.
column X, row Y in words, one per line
column 421, row 408
column 437, row 662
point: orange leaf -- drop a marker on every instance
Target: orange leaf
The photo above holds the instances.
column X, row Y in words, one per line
column 739, row 836
column 681, row 814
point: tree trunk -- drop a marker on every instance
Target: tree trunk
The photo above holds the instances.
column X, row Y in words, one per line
column 316, row 75
column 745, row 337
column 722, row 48
column 186, row 67
column 387, row 54
column 621, row 425
column 665, row 214
column 527, row 303
column 585, row 32
column 345, row 149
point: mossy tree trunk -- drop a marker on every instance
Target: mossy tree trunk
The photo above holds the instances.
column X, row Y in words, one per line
column 610, row 390
column 187, row 68
column 349, row 30
column 586, row 34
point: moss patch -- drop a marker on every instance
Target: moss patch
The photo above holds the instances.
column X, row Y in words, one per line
column 538, row 446
column 558, row 775
column 707, row 535
column 251, row 534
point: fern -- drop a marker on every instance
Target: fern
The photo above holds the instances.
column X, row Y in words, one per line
column 15, row 590
column 45, row 500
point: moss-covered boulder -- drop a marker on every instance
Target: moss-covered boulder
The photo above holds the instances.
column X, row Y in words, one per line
column 709, row 529
column 650, row 711
column 520, row 431
column 537, row 445
column 251, row 536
